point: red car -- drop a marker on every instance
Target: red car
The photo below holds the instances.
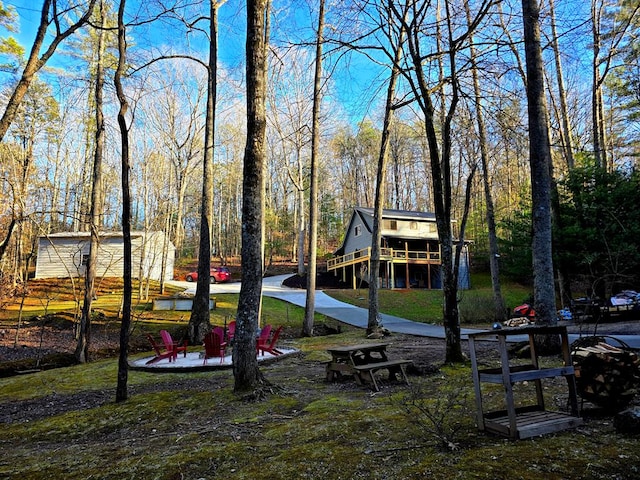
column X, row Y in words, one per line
column 218, row 274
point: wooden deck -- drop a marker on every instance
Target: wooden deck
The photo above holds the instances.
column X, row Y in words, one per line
column 386, row 255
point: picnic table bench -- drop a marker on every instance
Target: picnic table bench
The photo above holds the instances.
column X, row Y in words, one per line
column 363, row 361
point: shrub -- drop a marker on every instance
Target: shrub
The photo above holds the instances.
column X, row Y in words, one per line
column 476, row 307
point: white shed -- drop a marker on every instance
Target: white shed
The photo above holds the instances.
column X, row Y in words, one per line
column 65, row 254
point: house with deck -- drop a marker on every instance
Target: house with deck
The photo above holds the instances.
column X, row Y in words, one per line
column 65, row 254
column 410, row 255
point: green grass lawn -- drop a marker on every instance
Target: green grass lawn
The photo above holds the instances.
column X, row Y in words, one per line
column 476, row 304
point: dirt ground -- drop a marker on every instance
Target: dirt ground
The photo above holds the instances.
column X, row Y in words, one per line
column 38, row 341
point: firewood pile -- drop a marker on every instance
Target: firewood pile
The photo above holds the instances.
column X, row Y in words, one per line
column 606, row 375
column 519, row 322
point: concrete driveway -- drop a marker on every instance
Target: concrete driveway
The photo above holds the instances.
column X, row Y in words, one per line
column 356, row 316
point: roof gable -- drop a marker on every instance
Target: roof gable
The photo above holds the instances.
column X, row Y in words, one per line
column 365, row 217
column 392, row 214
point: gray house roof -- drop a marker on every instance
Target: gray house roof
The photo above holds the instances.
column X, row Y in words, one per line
column 364, row 216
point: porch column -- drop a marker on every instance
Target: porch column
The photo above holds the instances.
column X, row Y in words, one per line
column 392, row 269
column 428, row 265
column 406, row 265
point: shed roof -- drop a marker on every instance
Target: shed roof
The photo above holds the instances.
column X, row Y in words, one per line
column 88, row 234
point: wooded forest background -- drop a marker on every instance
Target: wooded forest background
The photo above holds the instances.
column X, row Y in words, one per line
column 592, row 68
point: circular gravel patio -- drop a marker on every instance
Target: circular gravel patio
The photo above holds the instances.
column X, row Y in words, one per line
column 195, row 362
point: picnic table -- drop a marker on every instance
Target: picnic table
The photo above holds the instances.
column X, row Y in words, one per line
column 362, row 361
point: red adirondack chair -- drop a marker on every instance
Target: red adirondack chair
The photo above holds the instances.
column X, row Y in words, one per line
column 263, row 338
column 231, row 331
column 171, row 346
column 160, row 355
column 270, row 345
column 214, row 346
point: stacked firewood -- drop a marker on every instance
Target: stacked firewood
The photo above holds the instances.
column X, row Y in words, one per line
column 519, row 322
column 606, row 375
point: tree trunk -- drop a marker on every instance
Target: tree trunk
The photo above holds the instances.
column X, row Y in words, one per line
column 373, row 320
column 200, row 321
column 440, row 152
column 4, row 244
column 245, row 365
column 123, row 365
column 567, row 144
column 500, row 312
column 564, row 283
column 597, row 105
column 84, row 337
column 301, row 220
column 309, row 311
column 540, row 162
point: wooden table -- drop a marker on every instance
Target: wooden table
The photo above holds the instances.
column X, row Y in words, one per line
column 362, row 361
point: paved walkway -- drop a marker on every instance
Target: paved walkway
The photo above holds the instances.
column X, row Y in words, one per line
column 356, row 316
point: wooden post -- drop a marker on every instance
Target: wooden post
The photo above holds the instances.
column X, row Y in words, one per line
column 428, row 265
column 406, row 264
column 393, row 274
column 353, row 276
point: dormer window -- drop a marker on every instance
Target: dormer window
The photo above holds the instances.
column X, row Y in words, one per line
column 358, row 230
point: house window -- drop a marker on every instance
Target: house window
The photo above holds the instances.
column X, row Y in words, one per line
column 85, row 259
column 390, row 224
column 433, row 228
column 358, row 230
column 413, row 225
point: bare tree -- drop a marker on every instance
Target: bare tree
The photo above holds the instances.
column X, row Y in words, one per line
column 95, row 207
column 54, row 13
column 597, row 105
column 34, row 120
column 540, row 163
column 199, row 323
column 438, row 113
column 567, row 136
column 307, row 325
column 494, row 255
column 606, row 47
column 245, row 364
column 123, row 365
column 373, row 321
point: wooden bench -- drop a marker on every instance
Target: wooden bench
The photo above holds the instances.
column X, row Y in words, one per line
column 367, row 371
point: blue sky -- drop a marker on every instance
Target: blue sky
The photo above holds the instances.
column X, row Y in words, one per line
column 354, row 85
column 297, row 19
column 29, row 18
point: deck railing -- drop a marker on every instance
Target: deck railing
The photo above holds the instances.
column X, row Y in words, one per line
column 386, row 254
